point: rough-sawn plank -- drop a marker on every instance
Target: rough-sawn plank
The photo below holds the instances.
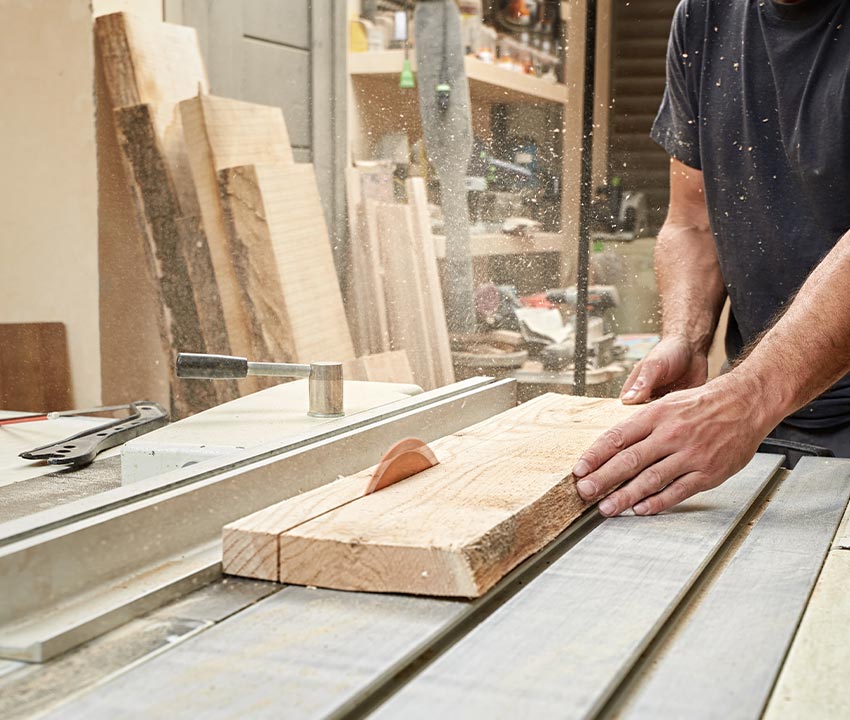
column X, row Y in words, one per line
column 222, row 133
column 502, row 491
column 147, row 68
column 284, row 258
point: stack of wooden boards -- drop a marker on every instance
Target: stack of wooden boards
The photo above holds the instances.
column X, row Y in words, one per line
column 502, row 491
column 396, row 297
column 211, row 238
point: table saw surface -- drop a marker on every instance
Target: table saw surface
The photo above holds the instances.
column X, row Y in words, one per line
column 694, row 613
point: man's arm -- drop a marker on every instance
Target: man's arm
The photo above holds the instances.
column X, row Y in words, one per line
column 691, row 289
column 695, row 439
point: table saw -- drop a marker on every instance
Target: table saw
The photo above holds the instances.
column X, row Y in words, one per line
column 114, row 604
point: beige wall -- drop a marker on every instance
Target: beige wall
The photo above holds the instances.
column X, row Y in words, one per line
column 48, row 173
column 145, row 8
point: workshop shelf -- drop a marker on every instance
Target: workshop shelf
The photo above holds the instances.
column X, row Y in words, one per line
column 487, row 82
column 487, row 244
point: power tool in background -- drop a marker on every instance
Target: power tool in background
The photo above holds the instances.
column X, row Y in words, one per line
column 546, row 321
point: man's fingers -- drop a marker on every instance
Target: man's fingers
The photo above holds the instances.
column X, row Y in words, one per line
column 652, row 372
column 677, row 491
column 623, row 466
column 649, row 482
column 630, row 380
column 611, row 442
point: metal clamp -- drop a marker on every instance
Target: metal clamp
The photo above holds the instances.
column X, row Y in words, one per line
column 325, row 378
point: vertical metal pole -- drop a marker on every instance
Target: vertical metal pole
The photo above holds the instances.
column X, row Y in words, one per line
column 585, row 195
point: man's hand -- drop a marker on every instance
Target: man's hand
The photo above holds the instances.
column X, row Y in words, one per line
column 673, row 364
column 682, row 444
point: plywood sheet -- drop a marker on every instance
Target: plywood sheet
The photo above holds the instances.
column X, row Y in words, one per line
column 502, row 490
column 277, row 218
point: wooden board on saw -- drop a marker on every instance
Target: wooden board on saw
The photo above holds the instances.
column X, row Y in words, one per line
column 502, row 490
column 367, row 311
column 35, row 374
column 146, row 69
column 276, row 219
column 222, row 133
column 392, row 367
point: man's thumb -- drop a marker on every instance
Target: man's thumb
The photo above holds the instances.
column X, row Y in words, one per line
column 641, row 389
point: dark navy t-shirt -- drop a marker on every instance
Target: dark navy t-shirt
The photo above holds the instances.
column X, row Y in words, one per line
column 758, row 98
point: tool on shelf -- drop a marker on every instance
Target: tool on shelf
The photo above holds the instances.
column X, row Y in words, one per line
column 325, row 378
column 80, row 449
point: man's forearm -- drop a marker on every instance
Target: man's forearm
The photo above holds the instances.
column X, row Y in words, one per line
column 808, row 348
column 689, row 282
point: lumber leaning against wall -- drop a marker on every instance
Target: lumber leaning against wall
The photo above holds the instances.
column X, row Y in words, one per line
column 435, row 319
column 407, row 298
column 223, row 133
column 392, row 367
column 367, row 303
column 276, row 215
column 147, row 69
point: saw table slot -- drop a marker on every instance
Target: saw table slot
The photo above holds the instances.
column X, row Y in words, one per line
column 320, row 653
column 746, row 621
column 576, row 631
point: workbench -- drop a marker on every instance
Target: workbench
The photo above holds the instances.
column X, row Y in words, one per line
column 693, row 613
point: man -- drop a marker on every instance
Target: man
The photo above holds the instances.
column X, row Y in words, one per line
column 756, row 118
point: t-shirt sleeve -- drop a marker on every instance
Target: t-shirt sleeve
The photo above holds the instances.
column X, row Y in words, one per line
column 676, row 126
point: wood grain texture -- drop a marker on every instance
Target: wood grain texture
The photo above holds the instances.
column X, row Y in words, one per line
column 169, row 245
column 435, row 318
column 502, row 490
column 250, row 545
column 222, row 133
column 725, row 661
column 562, row 645
column 406, row 291
column 392, row 366
column 135, row 357
column 366, row 306
column 358, row 291
column 286, row 262
column 147, row 68
column 35, row 373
